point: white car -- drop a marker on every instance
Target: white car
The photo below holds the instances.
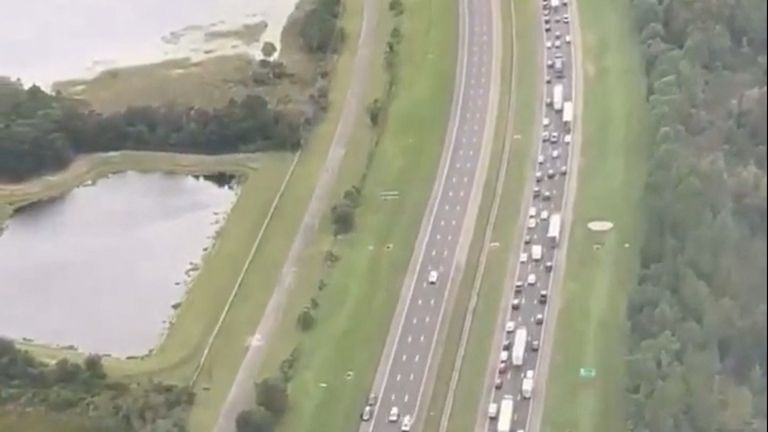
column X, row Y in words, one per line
column 432, row 278
column 549, row 44
column 406, row 426
column 531, row 223
column 532, row 279
column 493, row 410
column 567, row 139
column 394, row 415
column 545, row 122
column 558, row 44
column 510, row 327
column 544, row 215
column 545, row 136
column 541, row 159
column 555, row 154
column 567, row 38
column 523, row 257
column 532, row 212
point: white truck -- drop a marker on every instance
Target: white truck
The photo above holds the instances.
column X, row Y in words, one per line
column 557, row 97
column 536, row 252
column 553, row 231
column 504, row 423
column 567, row 115
column 518, row 346
column 554, row 4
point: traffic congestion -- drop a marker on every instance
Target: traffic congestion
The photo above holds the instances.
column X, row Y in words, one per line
column 514, row 378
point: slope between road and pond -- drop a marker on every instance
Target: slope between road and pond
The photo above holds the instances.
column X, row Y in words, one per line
column 240, row 396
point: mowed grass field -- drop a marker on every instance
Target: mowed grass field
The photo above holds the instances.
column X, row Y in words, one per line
column 339, row 356
column 519, row 127
column 591, row 322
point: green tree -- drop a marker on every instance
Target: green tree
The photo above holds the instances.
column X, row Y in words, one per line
column 255, row 420
column 306, row 319
column 268, row 49
column 272, row 395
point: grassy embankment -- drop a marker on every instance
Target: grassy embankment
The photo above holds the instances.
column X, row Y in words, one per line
column 340, row 355
column 591, row 322
column 517, row 124
column 228, row 349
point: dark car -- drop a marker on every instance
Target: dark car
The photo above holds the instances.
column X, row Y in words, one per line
column 516, row 304
column 543, row 297
column 548, row 266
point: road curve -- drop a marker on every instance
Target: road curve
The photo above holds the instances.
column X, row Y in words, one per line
column 241, row 394
column 404, row 376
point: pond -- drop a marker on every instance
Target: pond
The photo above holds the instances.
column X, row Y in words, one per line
column 101, row 267
column 43, row 41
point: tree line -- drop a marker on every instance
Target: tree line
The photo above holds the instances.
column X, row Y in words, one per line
column 41, row 132
column 697, row 315
column 84, row 390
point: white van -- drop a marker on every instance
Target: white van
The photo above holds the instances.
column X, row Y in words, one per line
column 493, row 410
column 536, row 252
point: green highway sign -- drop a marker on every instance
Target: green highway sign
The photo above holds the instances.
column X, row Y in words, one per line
column 587, row 372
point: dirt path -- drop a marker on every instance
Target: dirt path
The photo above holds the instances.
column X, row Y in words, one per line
column 241, row 394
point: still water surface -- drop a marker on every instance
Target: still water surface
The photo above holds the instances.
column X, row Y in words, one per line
column 42, row 41
column 101, row 267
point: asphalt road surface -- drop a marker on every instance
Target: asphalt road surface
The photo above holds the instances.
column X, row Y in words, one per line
column 406, row 361
column 553, row 168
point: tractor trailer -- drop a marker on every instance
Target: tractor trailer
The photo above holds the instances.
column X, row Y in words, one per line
column 518, row 346
column 504, row 423
column 557, row 97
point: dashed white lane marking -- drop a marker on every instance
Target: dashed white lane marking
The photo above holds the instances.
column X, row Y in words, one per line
column 450, row 193
column 392, row 397
column 445, row 252
column 434, row 252
column 458, row 207
column 419, row 302
column 410, row 338
column 405, row 399
column 410, row 378
column 461, row 193
column 453, row 222
column 405, row 357
column 431, row 302
column 397, row 378
column 442, row 222
column 426, row 319
column 449, row 237
column 421, row 338
column 453, row 179
column 417, row 358
column 438, row 236
column 466, row 179
column 415, row 320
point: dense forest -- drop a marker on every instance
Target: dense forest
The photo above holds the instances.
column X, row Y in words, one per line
column 697, row 315
column 40, row 132
column 84, row 389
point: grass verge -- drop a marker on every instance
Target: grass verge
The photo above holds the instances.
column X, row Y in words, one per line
column 590, row 328
column 228, row 350
column 519, row 128
column 339, row 356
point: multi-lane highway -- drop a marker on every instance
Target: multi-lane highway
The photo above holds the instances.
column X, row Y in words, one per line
column 403, row 379
column 530, row 278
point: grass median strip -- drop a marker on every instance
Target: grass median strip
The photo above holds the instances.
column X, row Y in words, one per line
column 601, row 266
column 521, row 129
column 338, row 358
